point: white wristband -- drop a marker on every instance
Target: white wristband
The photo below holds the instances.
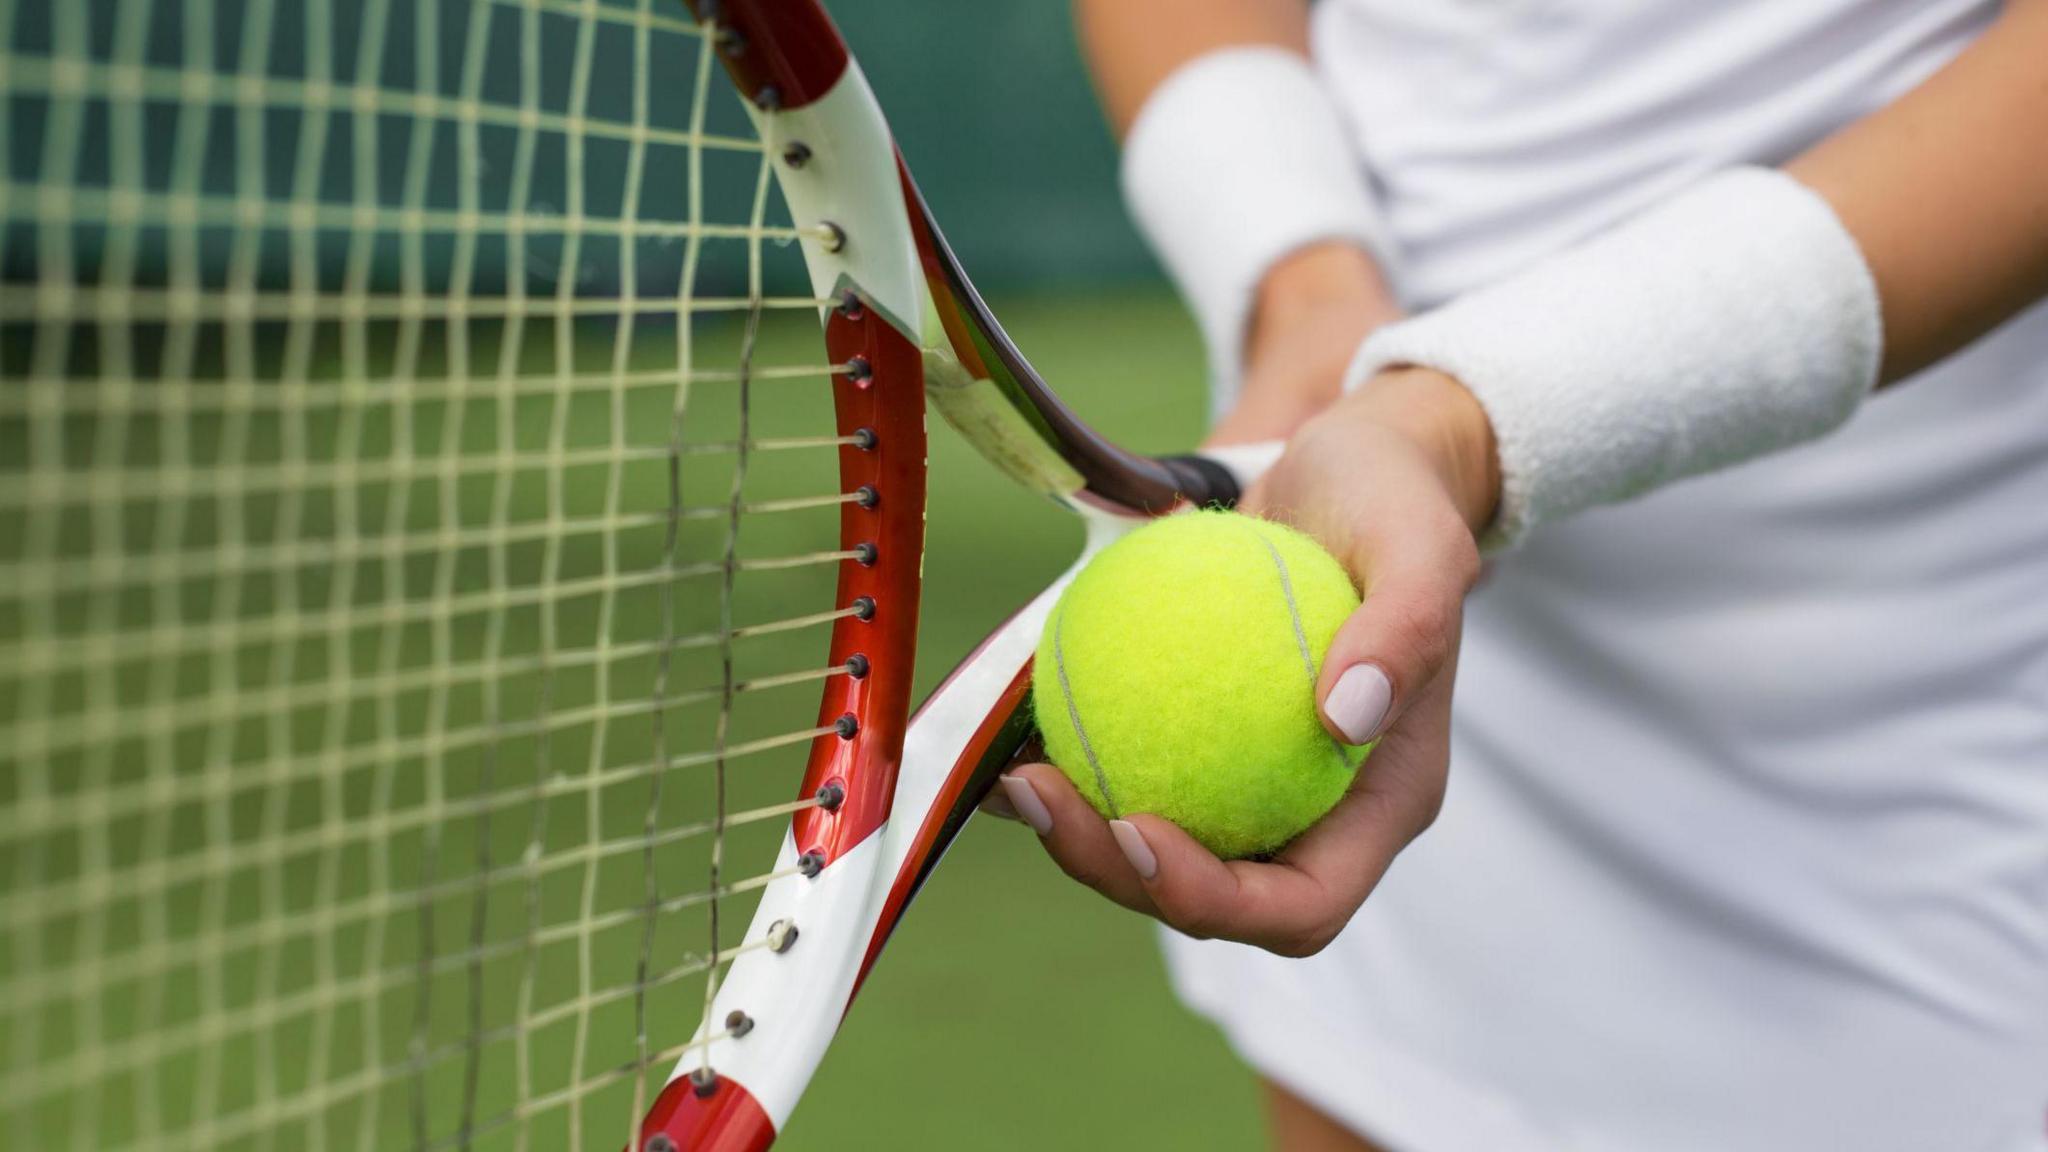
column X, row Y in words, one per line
column 1733, row 320
column 1237, row 159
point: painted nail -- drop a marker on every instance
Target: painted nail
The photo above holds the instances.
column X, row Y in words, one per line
column 997, row 803
column 1357, row 703
column 1135, row 849
column 1024, row 798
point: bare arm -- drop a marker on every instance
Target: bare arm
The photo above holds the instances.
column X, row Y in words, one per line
column 1132, row 45
column 1946, row 192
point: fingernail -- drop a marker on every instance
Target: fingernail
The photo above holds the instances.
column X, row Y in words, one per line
column 997, row 803
column 1024, row 798
column 1357, row 703
column 1135, row 849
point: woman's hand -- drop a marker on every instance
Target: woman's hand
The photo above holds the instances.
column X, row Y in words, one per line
column 1314, row 308
column 1395, row 480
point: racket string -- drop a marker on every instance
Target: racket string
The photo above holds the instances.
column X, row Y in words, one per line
column 153, row 1047
column 161, row 719
column 225, row 310
column 135, row 882
column 108, row 573
column 149, row 396
column 320, row 674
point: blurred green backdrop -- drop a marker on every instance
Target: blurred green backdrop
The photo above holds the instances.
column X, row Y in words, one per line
column 993, row 109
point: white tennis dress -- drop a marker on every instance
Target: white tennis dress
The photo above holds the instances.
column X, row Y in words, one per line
column 1746, row 842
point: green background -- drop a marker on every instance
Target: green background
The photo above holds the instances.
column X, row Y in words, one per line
column 992, row 107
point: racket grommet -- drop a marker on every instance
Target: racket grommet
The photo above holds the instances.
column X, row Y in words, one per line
column 865, row 439
column 865, row 554
column 866, row 496
column 705, row 1081
column 859, row 370
column 768, row 98
column 738, row 1023
column 781, row 936
column 811, row 863
column 831, row 796
column 834, row 239
column 661, row 1141
column 797, row 154
column 731, row 41
column 848, row 726
column 857, row 666
column 850, row 305
column 864, row 607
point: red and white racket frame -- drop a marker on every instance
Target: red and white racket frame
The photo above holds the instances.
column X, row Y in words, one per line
column 894, row 790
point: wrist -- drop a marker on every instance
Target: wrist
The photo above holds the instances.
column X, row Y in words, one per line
column 1328, row 272
column 1314, row 308
column 1446, row 422
column 1316, row 284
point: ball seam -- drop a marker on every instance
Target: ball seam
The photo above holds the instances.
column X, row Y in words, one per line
column 1059, row 660
column 1308, row 659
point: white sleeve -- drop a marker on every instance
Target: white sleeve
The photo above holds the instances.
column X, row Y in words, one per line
column 1237, row 159
column 1733, row 320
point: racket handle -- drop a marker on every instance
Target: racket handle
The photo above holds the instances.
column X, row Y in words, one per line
column 1221, row 474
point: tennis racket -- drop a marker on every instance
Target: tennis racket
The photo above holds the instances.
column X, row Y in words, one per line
column 456, row 617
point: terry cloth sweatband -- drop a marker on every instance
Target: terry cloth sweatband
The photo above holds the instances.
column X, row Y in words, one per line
column 1237, row 159
column 1733, row 320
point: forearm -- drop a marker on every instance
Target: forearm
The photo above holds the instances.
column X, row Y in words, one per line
column 1132, row 45
column 1946, row 193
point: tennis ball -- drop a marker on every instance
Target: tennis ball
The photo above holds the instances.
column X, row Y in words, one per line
column 1177, row 675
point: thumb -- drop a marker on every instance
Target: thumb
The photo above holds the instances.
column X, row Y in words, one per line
column 1397, row 642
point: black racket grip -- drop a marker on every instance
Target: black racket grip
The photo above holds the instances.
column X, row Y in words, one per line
column 1203, row 481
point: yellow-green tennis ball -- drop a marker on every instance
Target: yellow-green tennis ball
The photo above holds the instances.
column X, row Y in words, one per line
column 1177, row 674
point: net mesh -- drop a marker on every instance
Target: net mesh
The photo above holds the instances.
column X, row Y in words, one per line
column 418, row 520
